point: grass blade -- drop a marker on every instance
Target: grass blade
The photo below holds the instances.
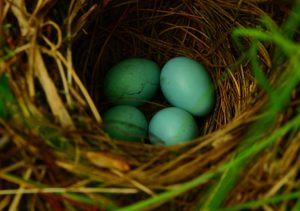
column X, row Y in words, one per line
column 6, row 97
column 293, row 123
column 272, row 200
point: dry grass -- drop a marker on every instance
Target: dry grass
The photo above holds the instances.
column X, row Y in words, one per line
column 55, row 139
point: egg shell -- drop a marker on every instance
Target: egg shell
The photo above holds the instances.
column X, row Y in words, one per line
column 186, row 84
column 171, row 126
column 132, row 81
column 125, row 122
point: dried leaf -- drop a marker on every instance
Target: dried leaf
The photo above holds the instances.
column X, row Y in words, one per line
column 108, row 160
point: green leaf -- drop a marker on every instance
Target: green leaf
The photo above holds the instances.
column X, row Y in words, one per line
column 8, row 53
column 6, row 97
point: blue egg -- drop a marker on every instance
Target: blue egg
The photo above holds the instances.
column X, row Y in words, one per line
column 186, row 84
column 125, row 122
column 171, row 126
column 132, row 81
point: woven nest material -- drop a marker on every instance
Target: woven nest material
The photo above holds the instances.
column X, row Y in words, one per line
column 53, row 137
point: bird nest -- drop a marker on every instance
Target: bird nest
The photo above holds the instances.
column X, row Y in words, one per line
column 54, row 152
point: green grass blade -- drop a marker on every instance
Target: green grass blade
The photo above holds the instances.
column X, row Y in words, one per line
column 168, row 194
column 219, row 191
column 289, row 29
column 297, row 205
column 293, row 123
column 288, row 47
column 258, row 72
column 291, row 25
column 6, row 97
column 247, row 149
column 8, row 53
column 227, row 181
column 272, row 200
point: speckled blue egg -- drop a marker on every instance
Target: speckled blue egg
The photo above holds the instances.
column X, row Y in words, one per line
column 186, row 84
column 125, row 122
column 171, row 126
column 132, row 81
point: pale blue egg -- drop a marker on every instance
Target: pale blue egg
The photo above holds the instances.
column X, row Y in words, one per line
column 125, row 122
column 132, row 81
column 171, row 126
column 186, row 84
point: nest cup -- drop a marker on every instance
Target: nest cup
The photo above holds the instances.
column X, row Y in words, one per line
column 161, row 30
